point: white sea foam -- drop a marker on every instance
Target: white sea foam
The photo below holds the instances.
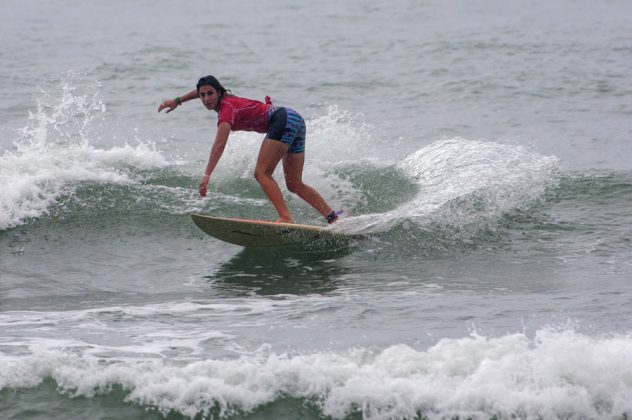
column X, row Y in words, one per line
column 460, row 181
column 53, row 154
column 556, row 374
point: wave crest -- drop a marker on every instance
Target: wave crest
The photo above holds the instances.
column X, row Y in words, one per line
column 556, row 374
column 53, row 154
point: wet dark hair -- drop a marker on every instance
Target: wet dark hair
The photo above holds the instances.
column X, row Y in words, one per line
column 212, row 81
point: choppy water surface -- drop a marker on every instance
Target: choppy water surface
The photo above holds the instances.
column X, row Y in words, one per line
column 482, row 149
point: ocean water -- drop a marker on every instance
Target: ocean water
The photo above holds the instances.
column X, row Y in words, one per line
column 483, row 149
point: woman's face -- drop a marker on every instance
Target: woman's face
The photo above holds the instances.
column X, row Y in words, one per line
column 209, row 97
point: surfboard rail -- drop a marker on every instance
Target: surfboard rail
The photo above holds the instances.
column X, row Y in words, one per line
column 262, row 233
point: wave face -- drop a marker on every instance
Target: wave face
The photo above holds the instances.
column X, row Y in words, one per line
column 451, row 182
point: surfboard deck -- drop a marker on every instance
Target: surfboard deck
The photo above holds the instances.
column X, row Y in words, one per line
column 261, row 233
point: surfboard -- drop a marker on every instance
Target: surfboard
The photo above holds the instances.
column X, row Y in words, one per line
column 260, row 233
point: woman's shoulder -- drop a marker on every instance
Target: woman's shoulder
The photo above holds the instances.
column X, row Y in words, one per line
column 231, row 102
column 238, row 100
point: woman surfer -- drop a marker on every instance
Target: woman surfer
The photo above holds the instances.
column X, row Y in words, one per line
column 285, row 140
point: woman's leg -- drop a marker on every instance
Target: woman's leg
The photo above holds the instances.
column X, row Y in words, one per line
column 271, row 152
column 293, row 169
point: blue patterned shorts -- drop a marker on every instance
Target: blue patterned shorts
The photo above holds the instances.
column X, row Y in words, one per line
column 287, row 126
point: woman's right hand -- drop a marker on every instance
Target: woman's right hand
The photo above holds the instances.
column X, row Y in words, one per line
column 168, row 103
column 204, row 186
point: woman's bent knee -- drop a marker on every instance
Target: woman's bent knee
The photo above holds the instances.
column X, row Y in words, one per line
column 295, row 186
column 291, row 187
column 261, row 175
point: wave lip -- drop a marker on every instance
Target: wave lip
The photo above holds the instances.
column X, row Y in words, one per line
column 557, row 374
